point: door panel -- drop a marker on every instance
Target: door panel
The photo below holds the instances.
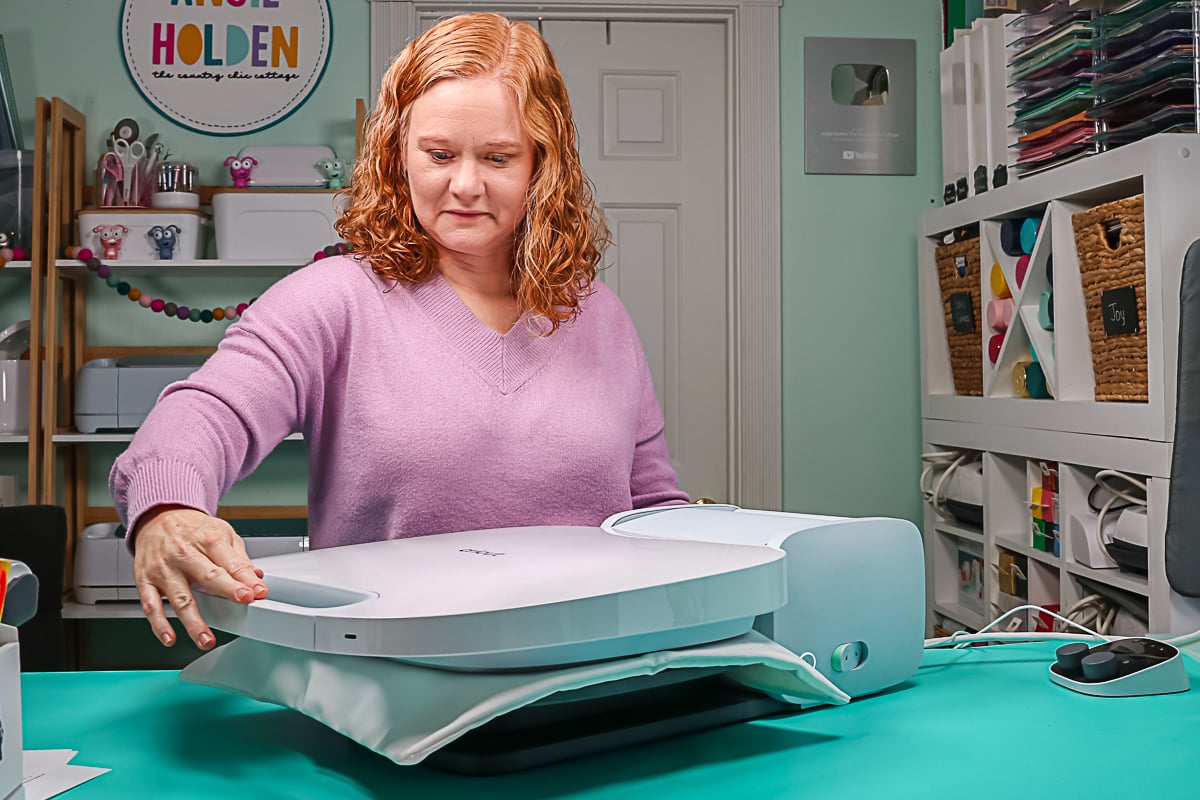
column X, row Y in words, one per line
column 651, row 106
column 649, row 100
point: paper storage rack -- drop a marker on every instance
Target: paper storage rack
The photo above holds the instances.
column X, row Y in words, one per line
column 1068, row 426
column 1145, row 73
column 1050, row 58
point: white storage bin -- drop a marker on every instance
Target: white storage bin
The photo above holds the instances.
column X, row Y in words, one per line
column 137, row 244
column 11, row 741
column 14, row 379
column 257, row 224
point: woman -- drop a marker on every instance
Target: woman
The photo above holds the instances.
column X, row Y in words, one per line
column 460, row 371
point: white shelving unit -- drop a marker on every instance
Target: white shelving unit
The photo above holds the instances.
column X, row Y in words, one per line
column 14, row 447
column 208, row 268
column 115, row 610
column 121, row 437
column 1016, row 435
column 202, row 269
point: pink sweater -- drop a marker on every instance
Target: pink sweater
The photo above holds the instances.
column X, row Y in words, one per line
column 418, row 418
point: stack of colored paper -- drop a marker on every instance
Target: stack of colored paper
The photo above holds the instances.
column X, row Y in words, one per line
column 1145, row 76
column 1051, row 69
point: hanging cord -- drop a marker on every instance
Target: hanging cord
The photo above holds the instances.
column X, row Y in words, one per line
column 1112, row 504
column 960, row 639
column 1096, row 611
column 951, row 460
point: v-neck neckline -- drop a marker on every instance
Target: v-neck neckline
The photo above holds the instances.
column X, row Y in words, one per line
column 505, row 360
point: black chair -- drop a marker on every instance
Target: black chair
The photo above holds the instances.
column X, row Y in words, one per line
column 1183, row 498
column 37, row 535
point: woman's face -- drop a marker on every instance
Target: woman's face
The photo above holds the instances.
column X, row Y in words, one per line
column 469, row 163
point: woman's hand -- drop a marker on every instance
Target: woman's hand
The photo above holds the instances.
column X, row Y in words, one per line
column 176, row 548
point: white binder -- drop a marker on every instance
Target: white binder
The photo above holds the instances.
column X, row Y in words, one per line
column 997, row 34
column 978, row 178
column 954, row 122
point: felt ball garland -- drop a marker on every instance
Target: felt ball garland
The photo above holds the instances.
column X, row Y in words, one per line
column 157, row 305
column 8, row 254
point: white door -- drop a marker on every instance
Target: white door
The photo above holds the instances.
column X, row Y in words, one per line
column 650, row 103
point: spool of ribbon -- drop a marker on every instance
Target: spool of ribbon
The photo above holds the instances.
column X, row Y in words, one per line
column 1022, row 269
column 1000, row 313
column 1029, row 232
column 1046, row 310
column 994, row 346
column 1010, row 236
column 999, row 284
column 1035, row 381
column 1018, row 378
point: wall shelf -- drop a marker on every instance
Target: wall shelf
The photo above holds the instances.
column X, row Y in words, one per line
column 959, row 613
column 117, row 609
column 195, row 268
column 961, row 531
column 1010, row 543
column 1137, row 584
column 122, row 437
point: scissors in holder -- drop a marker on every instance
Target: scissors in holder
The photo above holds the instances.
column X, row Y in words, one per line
column 110, row 175
column 131, row 156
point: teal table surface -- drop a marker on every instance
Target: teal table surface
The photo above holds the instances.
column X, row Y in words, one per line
column 979, row 723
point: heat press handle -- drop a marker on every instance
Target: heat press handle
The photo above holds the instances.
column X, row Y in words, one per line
column 293, row 592
column 287, row 594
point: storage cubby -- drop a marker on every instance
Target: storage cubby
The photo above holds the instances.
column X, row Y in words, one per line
column 1007, row 511
column 1030, row 550
column 1082, row 517
column 1010, row 247
column 1021, row 581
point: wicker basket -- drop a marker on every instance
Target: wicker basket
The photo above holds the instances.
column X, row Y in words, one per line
column 1111, row 242
column 958, row 267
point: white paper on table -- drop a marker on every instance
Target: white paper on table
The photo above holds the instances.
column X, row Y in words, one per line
column 47, row 773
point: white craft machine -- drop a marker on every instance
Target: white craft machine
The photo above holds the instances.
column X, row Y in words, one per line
column 117, row 393
column 848, row 591
column 104, row 565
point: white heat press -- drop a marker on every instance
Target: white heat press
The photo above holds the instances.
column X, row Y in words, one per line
column 511, row 598
column 848, row 591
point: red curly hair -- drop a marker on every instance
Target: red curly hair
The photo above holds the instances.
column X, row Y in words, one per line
column 559, row 243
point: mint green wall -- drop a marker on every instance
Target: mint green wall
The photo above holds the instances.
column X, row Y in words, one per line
column 71, row 49
column 851, row 403
column 850, row 373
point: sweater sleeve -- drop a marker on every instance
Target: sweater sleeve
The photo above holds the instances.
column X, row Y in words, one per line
column 652, row 481
column 214, row 428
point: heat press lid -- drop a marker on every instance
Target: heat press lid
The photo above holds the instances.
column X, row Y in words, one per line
column 508, row 598
column 715, row 522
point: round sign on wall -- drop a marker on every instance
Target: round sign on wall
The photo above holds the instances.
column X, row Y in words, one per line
column 226, row 67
